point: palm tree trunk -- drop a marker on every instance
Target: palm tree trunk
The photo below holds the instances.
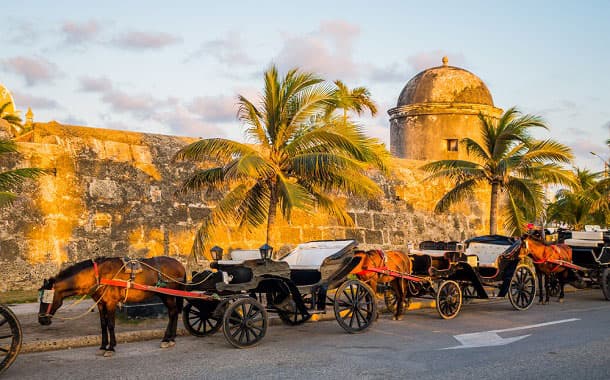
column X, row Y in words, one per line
column 271, row 216
column 493, row 209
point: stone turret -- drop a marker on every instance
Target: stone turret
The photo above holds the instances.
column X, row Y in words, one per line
column 438, row 107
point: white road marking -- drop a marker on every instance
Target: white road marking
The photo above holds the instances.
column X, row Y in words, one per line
column 491, row 338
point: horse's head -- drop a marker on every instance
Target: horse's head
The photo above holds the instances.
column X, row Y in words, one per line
column 50, row 300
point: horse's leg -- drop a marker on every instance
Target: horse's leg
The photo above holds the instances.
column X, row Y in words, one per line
column 540, row 296
column 397, row 287
column 172, row 324
column 104, row 324
column 111, row 309
column 562, row 282
column 547, row 287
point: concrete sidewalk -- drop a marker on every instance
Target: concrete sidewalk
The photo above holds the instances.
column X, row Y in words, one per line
column 85, row 331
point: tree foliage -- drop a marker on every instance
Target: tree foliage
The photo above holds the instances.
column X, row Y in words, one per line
column 512, row 163
column 303, row 156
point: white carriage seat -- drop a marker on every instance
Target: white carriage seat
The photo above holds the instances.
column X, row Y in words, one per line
column 311, row 255
column 238, row 256
column 487, row 253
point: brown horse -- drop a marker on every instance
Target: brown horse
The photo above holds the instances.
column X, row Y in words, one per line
column 541, row 253
column 84, row 278
column 389, row 260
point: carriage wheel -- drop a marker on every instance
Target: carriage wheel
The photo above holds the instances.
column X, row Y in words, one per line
column 468, row 293
column 245, row 323
column 290, row 315
column 199, row 320
column 355, row 306
column 10, row 337
column 391, row 301
column 605, row 283
column 522, row 288
column 448, row 299
column 554, row 286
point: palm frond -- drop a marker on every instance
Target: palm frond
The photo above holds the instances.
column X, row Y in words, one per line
column 457, row 194
column 203, row 179
column 213, row 149
column 13, row 178
column 6, row 198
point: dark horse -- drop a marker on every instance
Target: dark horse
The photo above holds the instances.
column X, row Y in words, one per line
column 84, row 278
column 391, row 260
column 541, row 253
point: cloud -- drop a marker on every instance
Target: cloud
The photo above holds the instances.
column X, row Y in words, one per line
column 90, row 84
column 425, row 60
column 20, row 32
column 33, row 70
column 389, row 73
column 227, row 50
column 36, row 102
column 328, row 50
column 214, row 108
column 73, row 120
column 76, row 33
column 183, row 122
column 138, row 40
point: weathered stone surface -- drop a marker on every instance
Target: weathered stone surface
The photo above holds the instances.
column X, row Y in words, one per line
column 105, row 201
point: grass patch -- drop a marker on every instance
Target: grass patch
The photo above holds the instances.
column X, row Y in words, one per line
column 19, row 296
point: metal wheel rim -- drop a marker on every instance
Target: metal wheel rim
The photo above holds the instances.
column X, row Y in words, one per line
column 522, row 290
column 196, row 322
column 10, row 337
column 245, row 323
column 605, row 283
column 449, row 299
column 355, row 306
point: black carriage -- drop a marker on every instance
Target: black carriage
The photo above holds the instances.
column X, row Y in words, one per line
column 455, row 277
column 590, row 266
column 306, row 281
column 10, row 337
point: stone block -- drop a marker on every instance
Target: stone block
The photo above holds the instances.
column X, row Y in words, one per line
column 117, row 151
column 309, row 234
column 155, row 194
column 141, row 154
column 356, row 234
column 397, row 238
column 373, row 237
column 383, row 221
column 364, row 220
column 105, row 191
column 102, row 220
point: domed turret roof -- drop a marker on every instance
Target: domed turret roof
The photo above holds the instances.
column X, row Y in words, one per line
column 445, row 84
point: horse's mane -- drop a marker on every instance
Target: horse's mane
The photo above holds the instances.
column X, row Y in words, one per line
column 76, row 268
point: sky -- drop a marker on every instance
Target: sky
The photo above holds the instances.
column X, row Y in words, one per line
column 177, row 67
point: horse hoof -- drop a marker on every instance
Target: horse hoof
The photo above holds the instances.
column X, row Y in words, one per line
column 108, row 354
column 560, row 300
column 168, row 344
column 100, row 352
column 399, row 318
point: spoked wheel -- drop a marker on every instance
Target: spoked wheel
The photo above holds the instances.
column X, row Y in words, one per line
column 10, row 337
column 245, row 323
column 522, row 288
column 554, row 287
column 448, row 299
column 199, row 320
column 290, row 315
column 391, row 301
column 355, row 306
column 605, row 283
column 468, row 293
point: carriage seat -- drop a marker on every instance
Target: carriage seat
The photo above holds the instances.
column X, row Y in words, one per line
column 311, row 255
column 491, row 270
column 238, row 256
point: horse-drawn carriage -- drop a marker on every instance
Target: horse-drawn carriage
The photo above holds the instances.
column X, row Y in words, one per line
column 248, row 287
column 455, row 275
column 10, row 337
column 582, row 261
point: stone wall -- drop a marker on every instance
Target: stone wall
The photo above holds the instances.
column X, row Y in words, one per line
column 114, row 195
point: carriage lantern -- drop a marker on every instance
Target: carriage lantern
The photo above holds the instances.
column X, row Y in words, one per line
column 266, row 251
column 216, row 253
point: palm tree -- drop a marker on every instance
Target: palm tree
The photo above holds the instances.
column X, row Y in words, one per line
column 511, row 162
column 357, row 100
column 303, row 158
column 12, row 118
column 11, row 179
column 587, row 202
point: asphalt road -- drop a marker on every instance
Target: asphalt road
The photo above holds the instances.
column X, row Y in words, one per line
column 577, row 346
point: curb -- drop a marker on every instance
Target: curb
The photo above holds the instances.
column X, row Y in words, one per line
column 144, row 335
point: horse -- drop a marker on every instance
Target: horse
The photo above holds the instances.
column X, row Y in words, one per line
column 389, row 260
column 84, row 278
column 541, row 252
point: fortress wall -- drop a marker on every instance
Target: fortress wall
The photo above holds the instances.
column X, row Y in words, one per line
column 114, row 195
